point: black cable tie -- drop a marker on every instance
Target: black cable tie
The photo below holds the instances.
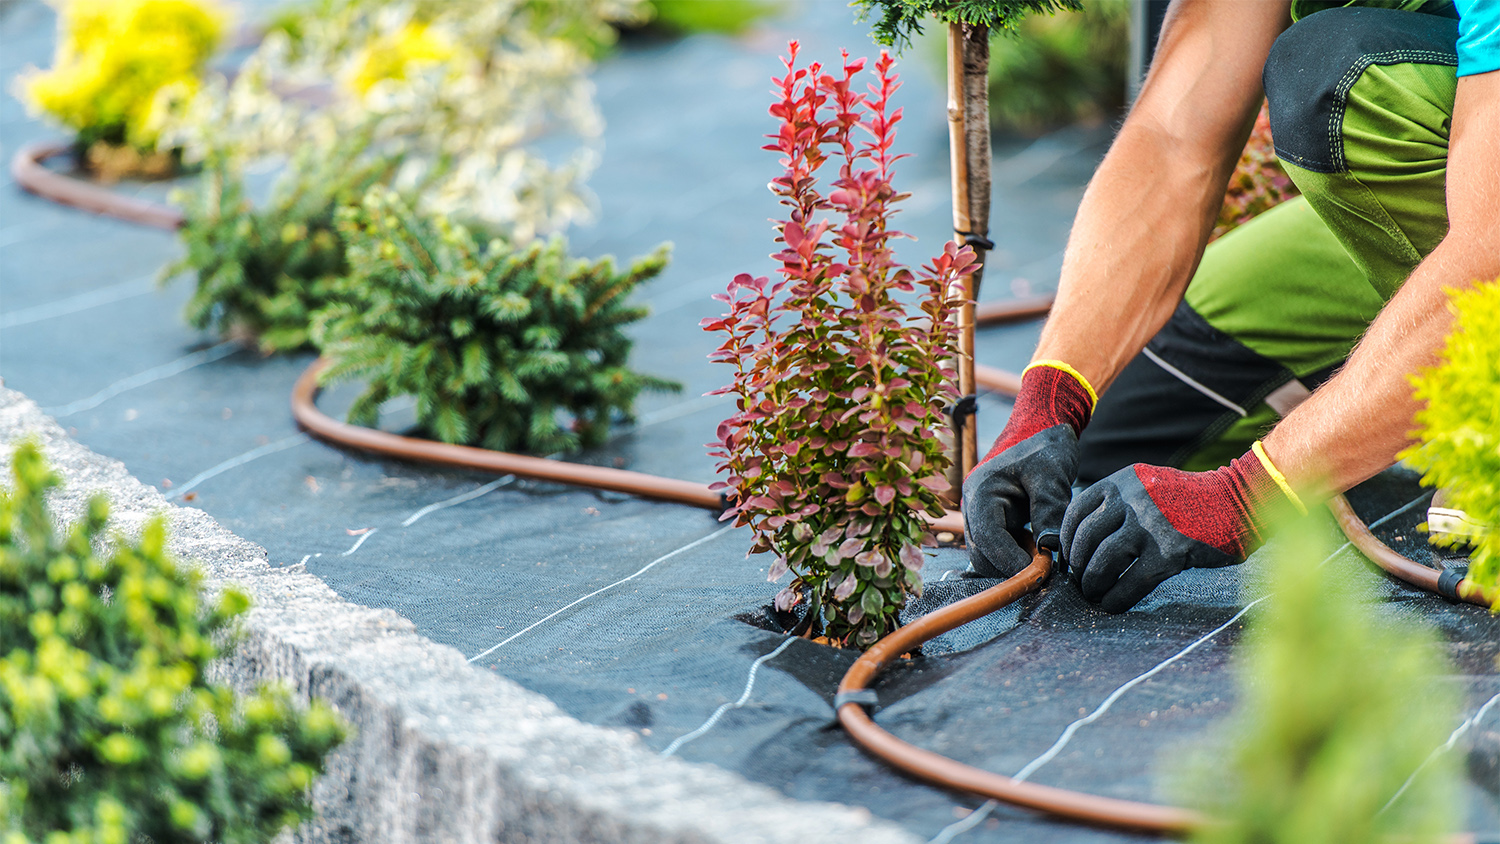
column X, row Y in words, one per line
column 963, row 409
column 1449, row 580
column 978, row 241
column 863, row 697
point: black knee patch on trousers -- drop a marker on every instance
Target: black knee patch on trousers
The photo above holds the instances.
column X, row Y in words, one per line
column 1151, row 414
column 1313, row 65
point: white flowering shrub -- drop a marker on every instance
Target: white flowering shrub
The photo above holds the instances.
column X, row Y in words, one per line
column 460, row 89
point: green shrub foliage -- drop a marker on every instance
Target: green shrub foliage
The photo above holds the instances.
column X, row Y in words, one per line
column 1060, row 70
column 1459, row 426
column 897, row 21
column 1340, row 708
column 495, row 342
column 265, row 271
column 109, row 731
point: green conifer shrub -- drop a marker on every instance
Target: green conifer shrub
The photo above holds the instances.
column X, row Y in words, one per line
column 1339, row 708
column 1459, row 426
column 897, row 21
column 497, row 343
column 265, row 271
column 1050, row 71
column 110, row 732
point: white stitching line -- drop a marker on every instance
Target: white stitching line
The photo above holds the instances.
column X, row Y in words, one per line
column 744, row 697
column 1468, row 724
column 149, row 376
column 691, row 545
column 1351, row 76
column 1192, row 382
column 971, row 820
column 253, row 454
column 81, row 302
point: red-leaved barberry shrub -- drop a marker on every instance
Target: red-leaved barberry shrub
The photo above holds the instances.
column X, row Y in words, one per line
column 841, row 367
column 1258, row 183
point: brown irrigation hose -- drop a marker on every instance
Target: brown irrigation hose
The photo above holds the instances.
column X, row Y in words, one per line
column 27, row 169
column 1012, row 310
column 940, row 770
column 1452, row 586
column 321, row 425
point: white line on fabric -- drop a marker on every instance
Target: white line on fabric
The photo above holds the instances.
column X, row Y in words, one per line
column 971, row 820
column 679, row 410
column 459, row 499
column 1468, row 724
column 254, row 454
column 1195, row 384
column 1067, row 735
column 360, row 541
column 688, row 547
column 744, row 697
column 141, row 379
column 81, row 302
column 306, row 557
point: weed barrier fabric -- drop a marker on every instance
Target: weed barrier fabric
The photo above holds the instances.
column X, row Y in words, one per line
column 645, row 616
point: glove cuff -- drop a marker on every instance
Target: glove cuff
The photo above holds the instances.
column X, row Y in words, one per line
column 1052, row 393
column 1262, row 493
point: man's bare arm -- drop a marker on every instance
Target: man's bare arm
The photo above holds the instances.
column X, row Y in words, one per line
column 1149, row 209
column 1356, row 423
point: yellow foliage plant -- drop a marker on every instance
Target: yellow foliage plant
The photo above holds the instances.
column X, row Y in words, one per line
column 1459, row 424
column 116, row 60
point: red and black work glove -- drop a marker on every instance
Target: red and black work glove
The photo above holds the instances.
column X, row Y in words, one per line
column 1126, row 534
column 1028, row 474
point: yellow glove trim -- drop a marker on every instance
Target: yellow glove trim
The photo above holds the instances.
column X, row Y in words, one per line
column 1275, row 473
column 1059, row 365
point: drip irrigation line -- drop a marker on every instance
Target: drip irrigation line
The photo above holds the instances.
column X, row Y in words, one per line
column 663, row 558
column 141, row 379
column 235, row 462
column 321, row 425
column 81, row 302
column 27, row 169
column 743, row 699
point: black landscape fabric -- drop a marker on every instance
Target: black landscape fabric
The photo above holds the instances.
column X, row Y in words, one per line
column 646, row 616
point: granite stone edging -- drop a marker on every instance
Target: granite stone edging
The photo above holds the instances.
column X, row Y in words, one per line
column 443, row 752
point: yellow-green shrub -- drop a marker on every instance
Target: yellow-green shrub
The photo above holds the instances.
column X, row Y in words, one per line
column 110, row 730
column 1459, row 426
column 1340, row 712
column 116, row 58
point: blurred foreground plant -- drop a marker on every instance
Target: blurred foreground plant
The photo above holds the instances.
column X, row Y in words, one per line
column 1341, row 711
column 835, row 453
column 1459, row 426
column 497, row 342
column 116, row 61
column 109, row 729
column 265, row 271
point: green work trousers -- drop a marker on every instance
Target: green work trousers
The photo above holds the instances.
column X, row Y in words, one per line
column 1360, row 100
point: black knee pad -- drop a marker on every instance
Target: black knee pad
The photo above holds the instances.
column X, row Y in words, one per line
column 1313, row 65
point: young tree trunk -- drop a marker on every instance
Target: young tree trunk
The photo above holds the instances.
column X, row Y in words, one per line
column 969, row 145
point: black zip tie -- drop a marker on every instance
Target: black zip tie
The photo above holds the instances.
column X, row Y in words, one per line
column 963, row 409
column 1449, row 580
column 863, row 697
column 978, row 241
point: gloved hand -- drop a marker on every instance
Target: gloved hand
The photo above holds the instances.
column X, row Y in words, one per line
column 1136, row 528
column 1028, row 474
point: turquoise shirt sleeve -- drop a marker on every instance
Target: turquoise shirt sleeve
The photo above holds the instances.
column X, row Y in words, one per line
column 1478, row 36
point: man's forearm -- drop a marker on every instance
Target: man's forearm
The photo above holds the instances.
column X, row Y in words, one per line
column 1354, row 425
column 1147, row 213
